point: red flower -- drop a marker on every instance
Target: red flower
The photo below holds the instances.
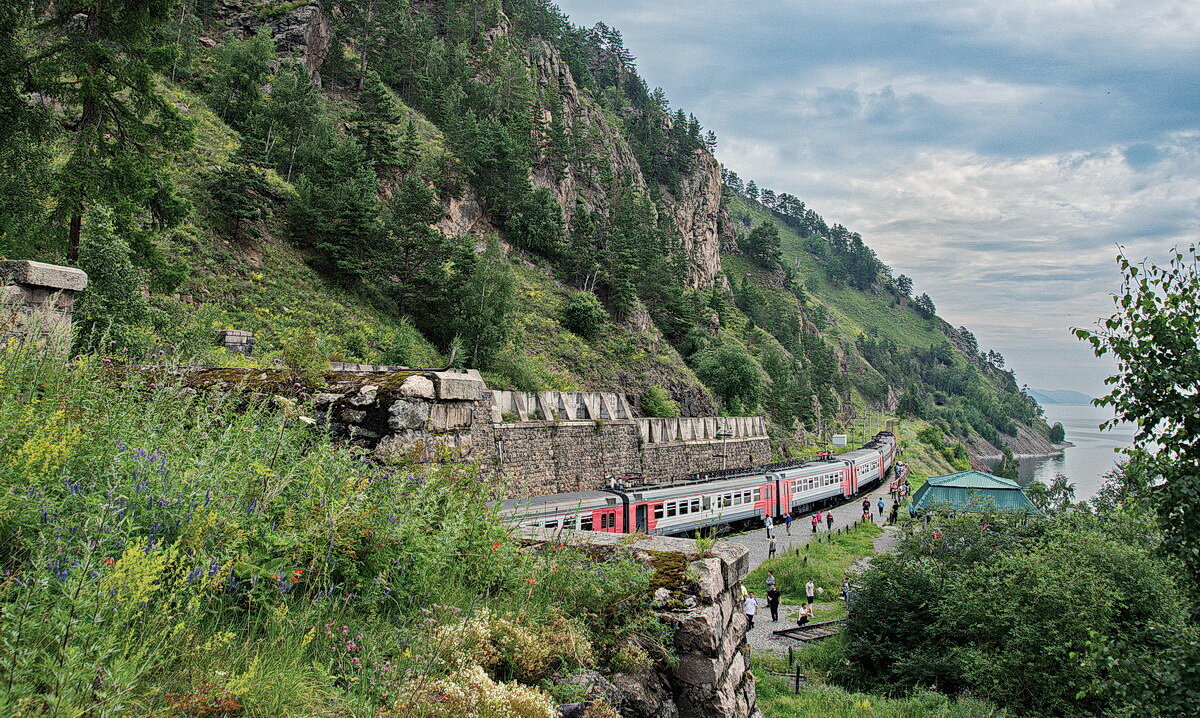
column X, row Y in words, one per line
column 110, row 560
column 496, row 545
column 530, row 581
column 298, row 571
column 561, row 545
column 294, row 579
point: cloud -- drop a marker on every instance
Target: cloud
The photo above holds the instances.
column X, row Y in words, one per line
column 996, row 151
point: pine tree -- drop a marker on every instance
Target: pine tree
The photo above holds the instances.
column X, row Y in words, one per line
column 336, row 211
column 242, row 67
column 99, row 63
column 415, row 264
column 373, row 122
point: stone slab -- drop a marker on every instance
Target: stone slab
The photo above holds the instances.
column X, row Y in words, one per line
column 466, row 385
column 40, row 274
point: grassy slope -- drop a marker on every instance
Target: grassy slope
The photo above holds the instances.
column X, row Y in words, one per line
column 264, row 285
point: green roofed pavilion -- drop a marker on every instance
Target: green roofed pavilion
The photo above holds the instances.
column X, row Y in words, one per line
column 972, row 491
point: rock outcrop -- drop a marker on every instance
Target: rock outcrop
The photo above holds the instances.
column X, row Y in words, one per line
column 698, row 597
column 579, row 182
column 302, row 31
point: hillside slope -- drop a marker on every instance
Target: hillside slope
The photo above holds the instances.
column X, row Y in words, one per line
column 399, row 182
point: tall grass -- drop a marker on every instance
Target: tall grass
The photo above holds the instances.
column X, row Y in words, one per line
column 166, row 551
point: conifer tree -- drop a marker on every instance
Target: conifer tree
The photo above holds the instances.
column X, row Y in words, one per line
column 373, row 121
column 98, row 62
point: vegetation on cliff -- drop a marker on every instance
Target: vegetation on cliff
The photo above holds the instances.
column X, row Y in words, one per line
column 341, row 168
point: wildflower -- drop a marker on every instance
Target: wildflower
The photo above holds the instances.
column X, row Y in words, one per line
column 307, row 420
column 530, row 581
column 298, row 572
column 496, row 545
column 294, row 579
column 110, row 560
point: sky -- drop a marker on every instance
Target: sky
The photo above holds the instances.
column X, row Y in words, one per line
column 997, row 152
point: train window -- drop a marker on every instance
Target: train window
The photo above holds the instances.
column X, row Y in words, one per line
column 695, row 505
column 585, row 523
column 671, row 509
column 570, row 523
column 758, row 495
column 658, row 511
column 550, row 525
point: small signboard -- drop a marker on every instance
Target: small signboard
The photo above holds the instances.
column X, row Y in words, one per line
column 839, row 439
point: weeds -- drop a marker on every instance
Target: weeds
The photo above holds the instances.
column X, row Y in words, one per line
column 164, row 550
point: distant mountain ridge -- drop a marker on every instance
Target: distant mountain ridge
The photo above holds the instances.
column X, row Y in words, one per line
column 1059, row 396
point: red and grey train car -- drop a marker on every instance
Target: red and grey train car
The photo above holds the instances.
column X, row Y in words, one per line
column 687, row 506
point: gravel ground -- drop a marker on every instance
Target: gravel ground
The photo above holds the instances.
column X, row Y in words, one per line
column 760, row 637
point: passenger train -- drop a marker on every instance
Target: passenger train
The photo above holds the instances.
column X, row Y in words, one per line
column 690, row 505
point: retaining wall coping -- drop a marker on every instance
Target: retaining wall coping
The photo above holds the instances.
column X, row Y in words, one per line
column 40, row 274
column 735, row 558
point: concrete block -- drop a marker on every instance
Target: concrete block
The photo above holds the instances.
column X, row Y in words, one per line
column 443, row 417
column 466, row 385
column 40, row 274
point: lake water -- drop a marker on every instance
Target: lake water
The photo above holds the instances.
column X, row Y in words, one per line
column 1093, row 455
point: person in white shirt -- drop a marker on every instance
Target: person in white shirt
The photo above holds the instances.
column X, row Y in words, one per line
column 806, row 614
column 750, row 607
column 810, row 590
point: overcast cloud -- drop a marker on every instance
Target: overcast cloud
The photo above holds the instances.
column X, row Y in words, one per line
column 996, row 152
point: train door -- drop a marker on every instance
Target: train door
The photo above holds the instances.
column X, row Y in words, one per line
column 641, row 519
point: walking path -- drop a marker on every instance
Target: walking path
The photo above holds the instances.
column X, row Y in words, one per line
column 756, row 543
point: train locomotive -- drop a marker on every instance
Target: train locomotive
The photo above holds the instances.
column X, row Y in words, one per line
column 704, row 502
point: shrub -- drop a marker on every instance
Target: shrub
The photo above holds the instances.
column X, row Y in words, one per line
column 991, row 607
column 656, row 402
column 733, row 375
column 305, row 356
column 472, row 694
column 112, row 307
column 584, row 314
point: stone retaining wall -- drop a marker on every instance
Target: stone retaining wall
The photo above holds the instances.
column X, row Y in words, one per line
column 30, row 288
column 699, row 597
column 430, row 416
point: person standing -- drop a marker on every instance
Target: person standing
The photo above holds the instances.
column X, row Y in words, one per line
column 770, row 548
column 866, row 506
column 829, row 520
column 768, row 522
column 773, row 595
column 845, row 589
column 880, row 504
column 895, row 512
column 750, row 607
column 770, row 580
column 787, row 523
column 810, row 590
column 816, row 519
